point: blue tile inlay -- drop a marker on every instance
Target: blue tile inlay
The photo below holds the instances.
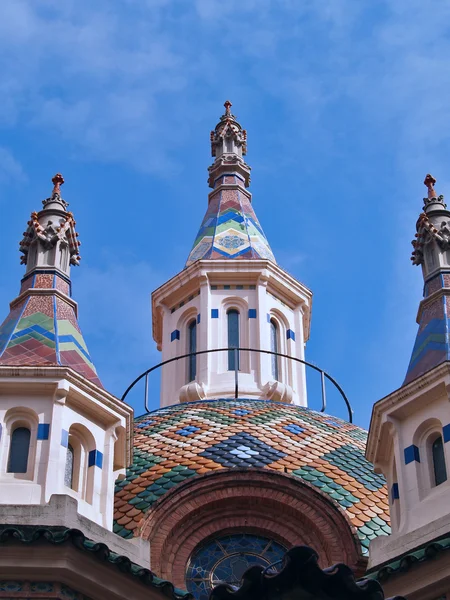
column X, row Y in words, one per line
column 214, row 313
column 394, row 492
column 446, row 433
column 43, row 431
column 293, row 428
column 187, row 430
column 411, row 454
column 175, row 335
column 64, row 438
column 268, row 318
column 290, row 335
column 241, row 412
column 242, row 450
column 252, row 313
column 95, row 459
column 198, row 318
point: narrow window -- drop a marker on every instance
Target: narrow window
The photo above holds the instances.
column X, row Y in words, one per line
column 19, row 450
column 192, row 337
column 68, row 473
column 440, row 470
column 274, row 347
column 233, row 338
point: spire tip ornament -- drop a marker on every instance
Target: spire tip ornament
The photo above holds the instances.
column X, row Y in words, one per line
column 227, row 105
column 57, row 181
column 429, row 181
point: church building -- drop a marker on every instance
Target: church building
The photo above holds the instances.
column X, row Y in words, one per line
column 218, row 492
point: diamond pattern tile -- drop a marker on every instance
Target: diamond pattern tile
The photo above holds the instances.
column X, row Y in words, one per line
column 181, row 441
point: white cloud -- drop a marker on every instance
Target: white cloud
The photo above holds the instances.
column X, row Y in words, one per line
column 11, row 170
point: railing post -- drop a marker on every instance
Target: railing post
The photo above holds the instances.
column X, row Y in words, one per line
column 324, row 393
column 146, row 392
column 236, row 373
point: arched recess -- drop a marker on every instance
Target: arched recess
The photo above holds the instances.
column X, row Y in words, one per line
column 186, row 318
column 25, row 419
column 424, row 438
column 81, row 442
column 234, row 303
column 120, row 454
column 285, row 366
column 262, row 502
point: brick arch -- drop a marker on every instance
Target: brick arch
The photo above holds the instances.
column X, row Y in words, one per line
column 263, row 502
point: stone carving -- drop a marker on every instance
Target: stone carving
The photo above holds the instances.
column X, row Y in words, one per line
column 60, row 227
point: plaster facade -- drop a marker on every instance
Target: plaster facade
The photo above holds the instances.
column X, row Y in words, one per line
column 61, row 409
column 205, row 292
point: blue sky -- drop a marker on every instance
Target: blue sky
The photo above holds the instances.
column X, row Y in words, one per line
column 346, row 107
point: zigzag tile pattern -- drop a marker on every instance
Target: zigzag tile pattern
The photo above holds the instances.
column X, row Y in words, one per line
column 43, row 330
column 432, row 345
column 185, row 440
column 230, row 228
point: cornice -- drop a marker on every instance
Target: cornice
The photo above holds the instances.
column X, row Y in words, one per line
column 397, row 397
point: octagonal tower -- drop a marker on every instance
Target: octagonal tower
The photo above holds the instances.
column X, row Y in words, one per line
column 231, row 294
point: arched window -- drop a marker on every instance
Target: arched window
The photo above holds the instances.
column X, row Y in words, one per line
column 439, row 468
column 68, row 473
column 274, row 348
column 192, row 347
column 233, row 338
column 19, row 450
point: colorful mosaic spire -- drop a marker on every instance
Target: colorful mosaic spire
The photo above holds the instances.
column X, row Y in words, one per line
column 432, row 251
column 230, row 228
column 42, row 328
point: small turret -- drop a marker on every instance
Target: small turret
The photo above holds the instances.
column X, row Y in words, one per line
column 432, row 251
column 60, row 431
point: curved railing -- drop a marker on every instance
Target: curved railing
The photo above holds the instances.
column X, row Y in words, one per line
column 323, row 374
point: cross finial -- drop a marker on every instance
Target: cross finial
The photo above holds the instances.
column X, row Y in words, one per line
column 227, row 105
column 57, row 181
column 429, row 182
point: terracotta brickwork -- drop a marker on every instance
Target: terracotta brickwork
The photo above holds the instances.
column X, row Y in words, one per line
column 266, row 503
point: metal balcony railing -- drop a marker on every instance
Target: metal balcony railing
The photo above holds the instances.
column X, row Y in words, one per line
column 323, row 374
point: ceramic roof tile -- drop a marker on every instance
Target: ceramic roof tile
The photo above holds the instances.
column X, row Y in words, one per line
column 329, row 456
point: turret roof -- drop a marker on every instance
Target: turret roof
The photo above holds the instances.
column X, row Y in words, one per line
column 230, row 228
column 42, row 327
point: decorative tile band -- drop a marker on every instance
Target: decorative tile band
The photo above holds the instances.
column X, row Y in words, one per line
column 183, row 302
column 95, row 459
column 214, row 313
column 412, row 454
column 175, row 335
column 252, row 313
column 43, row 431
column 290, row 335
column 198, row 319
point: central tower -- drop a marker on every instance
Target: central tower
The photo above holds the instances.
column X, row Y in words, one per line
column 231, row 294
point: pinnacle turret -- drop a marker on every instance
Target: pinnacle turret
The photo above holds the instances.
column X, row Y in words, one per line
column 432, row 251
column 42, row 328
column 230, row 228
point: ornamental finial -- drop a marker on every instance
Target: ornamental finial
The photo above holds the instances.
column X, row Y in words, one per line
column 57, row 181
column 429, row 182
column 227, row 105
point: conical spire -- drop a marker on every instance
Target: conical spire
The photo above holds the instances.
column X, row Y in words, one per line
column 42, row 328
column 432, row 251
column 230, row 228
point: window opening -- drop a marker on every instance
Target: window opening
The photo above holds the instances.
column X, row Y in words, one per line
column 274, row 348
column 192, row 337
column 19, row 450
column 68, row 473
column 233, row 338
column 440, row 470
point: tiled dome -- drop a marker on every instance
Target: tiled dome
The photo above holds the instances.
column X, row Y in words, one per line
column 181, row 441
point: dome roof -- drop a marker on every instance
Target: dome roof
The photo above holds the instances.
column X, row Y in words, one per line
column 174, row 443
